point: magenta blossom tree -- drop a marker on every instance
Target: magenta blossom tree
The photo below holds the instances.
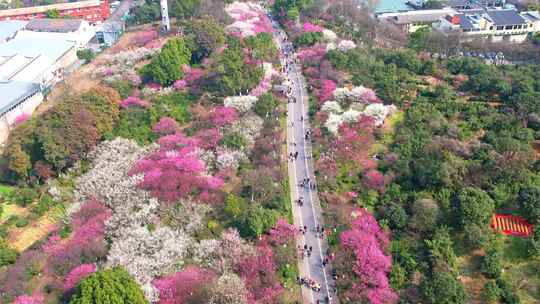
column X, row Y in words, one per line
column 86, row 242
column 221, row 115
column 25, row 299
column 166, row 126
column 209, row 138
column 259, row 275
column 374, row 179
column 175, row 171
column 180, row 85
column 77, row 274
column 180, row 287
column 369, row 244
column 282, row 232
column 311, row 28
column 327, row 89
column 133, row 101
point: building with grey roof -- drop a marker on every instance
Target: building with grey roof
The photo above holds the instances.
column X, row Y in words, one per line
column 30, row 63
column 494, row 24
column 54, row 25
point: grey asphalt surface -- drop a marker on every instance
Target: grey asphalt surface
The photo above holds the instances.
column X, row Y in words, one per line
column 309, row 214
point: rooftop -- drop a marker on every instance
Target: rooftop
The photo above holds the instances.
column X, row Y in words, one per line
column 44, row 8
column 26, row 47
column 54, row 25
column 505, row 17
column 9, row 28
column 421, row 15
column 15, row 91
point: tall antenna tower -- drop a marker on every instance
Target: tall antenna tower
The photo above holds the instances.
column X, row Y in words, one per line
column 165, row 22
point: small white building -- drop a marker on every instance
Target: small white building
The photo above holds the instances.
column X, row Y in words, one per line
column 411, row 21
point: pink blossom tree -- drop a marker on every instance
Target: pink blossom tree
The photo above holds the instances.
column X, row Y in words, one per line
column 259, row 275
column 327, row 89
column 209, row 138
column 165, row 126
column 191, row 74
column 221, row 115
column 374, row 179
column 369, row 243
column 282, row 232
column 77, row 274
column 180, row 85
column 25, row 299
column 312, row 54
column 180, row 287
column 175, row 171
column 133, row 101
column 86, row 243
column 309, row 27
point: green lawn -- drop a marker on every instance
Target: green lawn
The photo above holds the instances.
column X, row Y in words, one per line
column 6, row 190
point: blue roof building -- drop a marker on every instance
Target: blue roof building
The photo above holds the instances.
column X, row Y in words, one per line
column 14, row 93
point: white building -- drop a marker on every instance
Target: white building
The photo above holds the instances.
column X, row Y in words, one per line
column 28, row 64
column 411, row 21
column 496, row 25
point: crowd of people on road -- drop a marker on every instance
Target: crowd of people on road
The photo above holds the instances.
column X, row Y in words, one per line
column 307, row 184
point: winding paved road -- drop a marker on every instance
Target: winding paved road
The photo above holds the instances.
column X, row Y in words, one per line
column 309, row 214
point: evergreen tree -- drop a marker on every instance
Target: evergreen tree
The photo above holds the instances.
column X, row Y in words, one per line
column 111, row 286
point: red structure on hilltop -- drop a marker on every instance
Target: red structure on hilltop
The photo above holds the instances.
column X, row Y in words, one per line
column 93, row 11
column 511, row 225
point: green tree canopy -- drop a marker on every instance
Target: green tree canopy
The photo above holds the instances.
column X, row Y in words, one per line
column 206, row 35
column 111, row 286
column 234, row 76
column 529, row 203
column 474, row 206
column 443, row 288
column 166, row 67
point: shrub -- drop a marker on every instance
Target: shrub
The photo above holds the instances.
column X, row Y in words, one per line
column 21, row 222
column 266, row 105
column 443, row 288
column 44, row 204
column 308, row 39
column 24, row 196
column 7, row 255
column 492, row 263
column 491, row 293
column 233, row 141
column 87, row 55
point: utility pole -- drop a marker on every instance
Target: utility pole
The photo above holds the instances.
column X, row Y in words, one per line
column 165, row 22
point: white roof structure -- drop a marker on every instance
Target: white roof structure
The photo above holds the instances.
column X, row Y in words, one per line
column 34, row 47
column 8, row 29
